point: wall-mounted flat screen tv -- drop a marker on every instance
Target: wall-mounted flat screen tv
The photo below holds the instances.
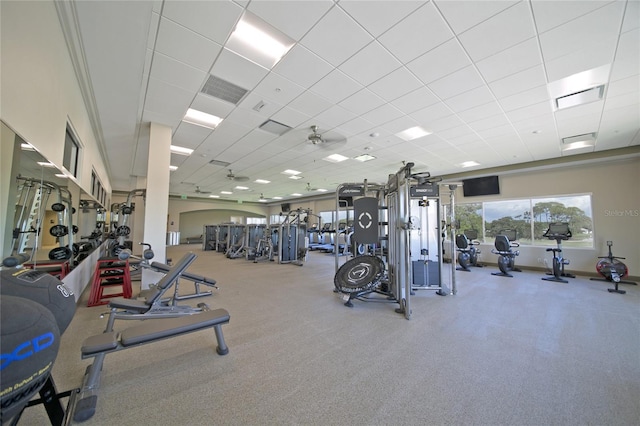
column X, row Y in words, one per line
column 487, row 185
column 285, row 207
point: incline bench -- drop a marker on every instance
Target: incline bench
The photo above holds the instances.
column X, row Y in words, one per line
column 150, row 331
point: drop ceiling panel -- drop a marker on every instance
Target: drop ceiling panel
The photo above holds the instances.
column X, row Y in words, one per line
column 382, row 114
column 354, row 127
column 439, row 62
column 457, row 82
column 278, row 88
column 519, row 82
column 335, row 116
column 186, row 46
column 310, row 104
column 487, row 38
column 627, row 56
column 294, row 18
column 553, row 14
column 427, row 115
column 237, row 70
column 189, row 135
column 290, row 117
column 462, row 15
column 336, row 86
column 590, row 57
column 378, row 16
column 425, row 24
column 470, row 99
column 535, row 110
column 370, row 64
column 395, row 84
column 336, row 37
column 528, row 97
column 211, row 105
column 212, row 19
column 167, row 99
column 481, row 111
column 415, row 100
column 302, row 66
column 594, row 27
column 510, row 61
column 490, row 122
column 362, row 101
column 176, row 73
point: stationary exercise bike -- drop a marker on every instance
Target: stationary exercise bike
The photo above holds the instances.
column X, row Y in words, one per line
column 467, row 253
column 558, row 231
column 612, row 270
column 504, row 244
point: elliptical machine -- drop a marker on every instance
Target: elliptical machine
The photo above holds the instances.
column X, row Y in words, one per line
column 558, row 231
column 467, row 253
column 612, row 270
column 503, row 244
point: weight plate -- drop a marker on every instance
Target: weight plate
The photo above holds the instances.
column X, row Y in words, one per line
column 127, row 210
column 60, row 253
column 123, row 230
column 74, row 229
column 59, row 230
column 57, row 207
column 359, row 274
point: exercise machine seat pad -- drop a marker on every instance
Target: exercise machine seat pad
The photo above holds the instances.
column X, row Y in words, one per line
column 100, row 343
column 188, row 275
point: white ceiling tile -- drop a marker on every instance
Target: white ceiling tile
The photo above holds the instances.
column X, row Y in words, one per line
column 189, row 135
column 186, row 46
column 459, row 135
column 489, row 122
column 541, row 124
column 592, row 56
column 505, row 131
column 302, row 66
column 355, row 126
column 400, row 124
column 395, row 84
column 623, row 100
column 335, row 116
column 310, row 104
column 415, row 100
column 600, row 25
column 213, row 19
column 166, row 98
column 627, row 56
column 426, row 116
column 488, row 37
column 336, row 86
column 278, row 89
column 445, row 123
column 549, row 15
column 462, row 15
column 378, row 16
column 480, row 112
column 211, row 105
column 539, row 109
column 176, row 73
column 456, row 83
column 260, row 104
column 153, row 30
column 382, row 114
column 290, row 117
column 512, row 60
column 519, row 82
column 237, row 70
column 632, row 17
column 443, row 60
column 362, row 101
column 525, row 98
column 470, row 99
column 370, row 64
column 425, row 25
column 294, row 18
column 336, row 37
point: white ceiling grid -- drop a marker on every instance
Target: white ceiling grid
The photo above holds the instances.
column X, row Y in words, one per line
column 473, row 73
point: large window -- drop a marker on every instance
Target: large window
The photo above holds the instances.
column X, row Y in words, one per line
column 530, row 218
column 71, row 152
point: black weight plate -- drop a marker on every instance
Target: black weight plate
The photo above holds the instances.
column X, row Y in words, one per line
column 57, row 207
column 74, row 229
column 359, row 274
column 127, row 210
column 73, row 210
column 123, row 230
column 59, row 230
column 60, row 253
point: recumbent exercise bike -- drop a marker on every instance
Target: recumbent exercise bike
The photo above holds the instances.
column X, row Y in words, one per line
column 467, row 253
column 505, row 241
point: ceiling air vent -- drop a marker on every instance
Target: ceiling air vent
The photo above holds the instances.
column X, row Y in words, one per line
column 222, row 89
column 275, row 127
column 577, row 142
column 579, row 98
column 219, row 163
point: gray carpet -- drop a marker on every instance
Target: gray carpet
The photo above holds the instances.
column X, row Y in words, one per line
column 503, row 351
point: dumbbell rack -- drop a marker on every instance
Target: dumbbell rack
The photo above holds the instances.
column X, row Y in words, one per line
column 57, row 268
column 110, row 272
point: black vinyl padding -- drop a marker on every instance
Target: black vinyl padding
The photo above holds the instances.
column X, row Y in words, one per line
column 188, row 275
column 154, row 329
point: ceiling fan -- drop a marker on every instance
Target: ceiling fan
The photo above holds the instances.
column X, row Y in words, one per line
column 235, row 178
column 199, row 191
column 317, row 138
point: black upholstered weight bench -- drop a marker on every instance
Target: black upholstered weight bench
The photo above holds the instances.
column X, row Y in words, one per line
column 150, row 331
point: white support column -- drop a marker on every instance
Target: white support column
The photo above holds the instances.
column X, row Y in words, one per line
column 157, row 202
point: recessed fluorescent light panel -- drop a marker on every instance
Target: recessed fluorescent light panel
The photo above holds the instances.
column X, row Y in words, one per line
column 335, row 158
column 364, row 157
column 413, row 133
column 46, row 164
column 295, row 194
column 291, row 172
column 322, row 190
column 295, row 177
column 263, row 181
column 173, row 168
column 277, row 198
column 60, row 175
column 200, row 118
column 262, row 200
column 577, row 142
column 469, row 164
column 27, row 147
column 226, row 192
column 258, row 41
column 242, row 188
column 181, row 150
